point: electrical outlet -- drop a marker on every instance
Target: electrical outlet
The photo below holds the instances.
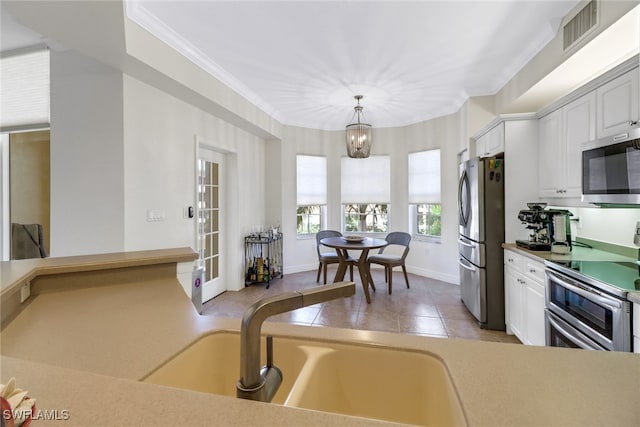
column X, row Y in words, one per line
column 578, row 223
column 25, row 292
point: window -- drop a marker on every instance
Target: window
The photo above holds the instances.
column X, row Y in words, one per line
column 309, row 219
column 424, row 193
column 428, row 219
column 369, row 218
column 311, row 180
column 25, row 90
column 366, row 192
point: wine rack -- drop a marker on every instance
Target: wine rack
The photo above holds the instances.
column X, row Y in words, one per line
column 262, row 257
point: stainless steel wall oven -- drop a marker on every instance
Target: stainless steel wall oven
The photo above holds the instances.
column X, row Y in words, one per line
column 582, row 312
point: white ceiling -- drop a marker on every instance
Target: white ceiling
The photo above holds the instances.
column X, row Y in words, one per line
column 303, row 61
column 16, row 36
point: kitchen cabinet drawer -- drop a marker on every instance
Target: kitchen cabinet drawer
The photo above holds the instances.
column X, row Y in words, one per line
column 534, row 270
column 512, row 259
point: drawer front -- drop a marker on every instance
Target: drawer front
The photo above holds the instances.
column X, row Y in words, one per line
column 534, row 270
column 512, row 259
column 636, row 326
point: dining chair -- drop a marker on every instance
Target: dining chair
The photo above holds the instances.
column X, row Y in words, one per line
column 330, row 257
column 398, row 239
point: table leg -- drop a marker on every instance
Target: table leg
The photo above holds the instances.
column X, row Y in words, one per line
column 364, row 274
column 342, row 265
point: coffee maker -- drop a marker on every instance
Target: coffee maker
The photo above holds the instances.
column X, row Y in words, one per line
column 551, row 229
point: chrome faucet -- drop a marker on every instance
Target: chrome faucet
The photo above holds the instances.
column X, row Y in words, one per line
column 261, row 384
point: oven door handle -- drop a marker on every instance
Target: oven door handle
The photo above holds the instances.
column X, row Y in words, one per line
column 608, row 302
column 576, row 340
column 471, row 268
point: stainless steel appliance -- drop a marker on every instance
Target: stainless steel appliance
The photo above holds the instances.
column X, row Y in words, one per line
column 611, row 170
column 545, row 233
column 481, row 228
column 586, row 305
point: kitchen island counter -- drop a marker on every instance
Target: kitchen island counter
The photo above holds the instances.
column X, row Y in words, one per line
column 84, row 350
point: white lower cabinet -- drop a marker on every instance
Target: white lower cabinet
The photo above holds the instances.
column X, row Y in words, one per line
column 524, row 298
column 534, row 303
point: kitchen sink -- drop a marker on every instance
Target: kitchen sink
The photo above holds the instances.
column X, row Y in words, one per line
column 352, row 379
column 212, row 365
column 385, row 384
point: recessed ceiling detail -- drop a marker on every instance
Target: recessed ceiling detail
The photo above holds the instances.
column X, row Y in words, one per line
column 303, row 61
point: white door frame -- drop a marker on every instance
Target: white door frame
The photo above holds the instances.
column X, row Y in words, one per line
column 208, row 152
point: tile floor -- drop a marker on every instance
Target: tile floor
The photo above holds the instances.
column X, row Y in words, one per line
column 430, row 307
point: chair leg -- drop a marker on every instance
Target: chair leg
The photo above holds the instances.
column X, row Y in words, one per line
column 386, row 274
column 325, row 275
column 351, row 272
column 319, row 270
column 390, row 278
column 406, row 278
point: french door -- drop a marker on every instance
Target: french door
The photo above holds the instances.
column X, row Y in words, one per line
column 210, row 216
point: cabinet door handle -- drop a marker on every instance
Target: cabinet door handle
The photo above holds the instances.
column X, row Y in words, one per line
column 531, row 270
column 633, row 122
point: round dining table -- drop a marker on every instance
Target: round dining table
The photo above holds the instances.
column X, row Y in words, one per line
column 342, row 246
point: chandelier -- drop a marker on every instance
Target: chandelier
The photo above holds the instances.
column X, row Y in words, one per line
column 358, row 135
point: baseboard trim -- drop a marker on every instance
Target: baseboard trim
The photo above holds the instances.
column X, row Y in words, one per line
column 449, row 278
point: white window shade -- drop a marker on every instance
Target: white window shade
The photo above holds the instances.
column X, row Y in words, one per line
column 311, row 180
column 24, row 89
column 424, row 177
column 366, row 180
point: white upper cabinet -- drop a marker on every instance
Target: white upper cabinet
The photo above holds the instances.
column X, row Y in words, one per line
column 561, row 135
column 579, row 126
column 618, row 104
column 491, row 143
column 551, row 154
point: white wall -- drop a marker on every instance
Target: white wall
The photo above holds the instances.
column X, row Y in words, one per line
column 87, row 168
column 120, row 147
column 438, row 260
column 615, row 226
column 159, row 169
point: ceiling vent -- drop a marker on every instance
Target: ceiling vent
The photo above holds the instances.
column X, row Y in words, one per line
column 580, row 24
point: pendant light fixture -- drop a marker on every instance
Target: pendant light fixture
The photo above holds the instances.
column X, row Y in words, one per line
column 358, row 135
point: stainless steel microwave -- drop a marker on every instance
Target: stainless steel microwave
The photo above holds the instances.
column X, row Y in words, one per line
column 611, row 170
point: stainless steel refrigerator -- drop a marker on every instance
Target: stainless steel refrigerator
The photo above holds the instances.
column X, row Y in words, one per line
column 481, row 228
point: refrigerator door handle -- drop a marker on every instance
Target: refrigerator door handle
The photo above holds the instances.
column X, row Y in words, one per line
column 463, row 243
column 462, row 262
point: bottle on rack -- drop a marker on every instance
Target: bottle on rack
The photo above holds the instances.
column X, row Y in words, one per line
column 253, row 271
column 260, row 269
column 248, row 272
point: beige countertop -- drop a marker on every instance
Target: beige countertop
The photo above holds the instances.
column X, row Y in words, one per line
column 83, row 350
column 578, row 253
